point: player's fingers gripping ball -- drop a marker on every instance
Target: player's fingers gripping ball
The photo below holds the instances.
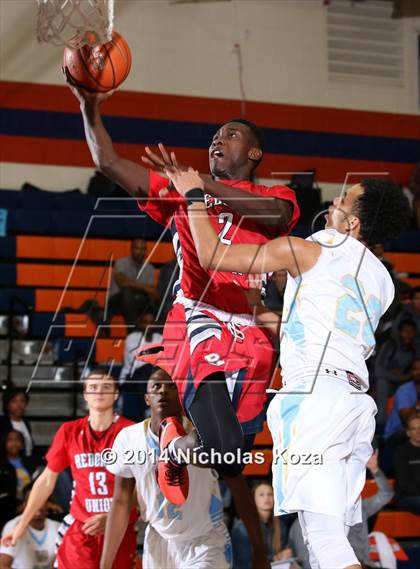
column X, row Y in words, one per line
column 99, row 69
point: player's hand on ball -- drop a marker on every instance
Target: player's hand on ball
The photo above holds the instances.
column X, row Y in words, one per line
column 185, row 180
column 81, row 94
column 12, row 537
column 95, row 525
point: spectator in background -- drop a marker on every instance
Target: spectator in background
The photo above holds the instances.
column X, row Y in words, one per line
column 16, row 472
column 15, row 402
column 146, row 332
column 392, row 366
column 397, row 311
column 168, row 275
column 36, row 549
column 359, row 534
column 407, row 468
column 270, row 526
column 132, row 284
column 8, row 500
column 275, row 291
column 12, row 453
column 410, row 311
column 135, row 373
column 406, row 402
column 412, row 191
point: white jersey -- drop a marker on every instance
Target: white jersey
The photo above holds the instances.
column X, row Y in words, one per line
column 136, row 451
column 332, row 310
column 36, row 549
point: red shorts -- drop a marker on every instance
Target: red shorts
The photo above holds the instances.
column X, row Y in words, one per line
column 197, row 344
column 82, row 551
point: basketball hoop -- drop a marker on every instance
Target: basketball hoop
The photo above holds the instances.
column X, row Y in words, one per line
column 75, row 23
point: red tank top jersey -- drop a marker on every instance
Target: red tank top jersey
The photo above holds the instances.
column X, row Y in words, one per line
column 216, row 288
column 78, row 446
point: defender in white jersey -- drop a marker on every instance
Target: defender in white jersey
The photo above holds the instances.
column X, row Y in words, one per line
column 322, row 420
column 190, row 536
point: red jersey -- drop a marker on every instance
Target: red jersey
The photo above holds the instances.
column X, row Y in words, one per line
column 216, row 288
column 78, row 446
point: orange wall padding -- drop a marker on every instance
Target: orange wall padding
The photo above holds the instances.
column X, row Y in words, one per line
column 68, row 248
column 412, row 282
column 79, row 326
column 264, row 438
column 256, row 469
column 405, row 262
column 371, row 488
column 56, row 276
column 49, row 300
column 398, row 524
column 61, row 275
column 109, row 349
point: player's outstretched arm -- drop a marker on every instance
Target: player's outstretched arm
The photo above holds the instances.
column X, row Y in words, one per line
column 41, row 491
column 117, row 519
column 291, row 253
column 128, row 174
column 267, row 211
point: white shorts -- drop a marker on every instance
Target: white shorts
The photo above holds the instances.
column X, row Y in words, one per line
column 321, row 444
column 211, row 551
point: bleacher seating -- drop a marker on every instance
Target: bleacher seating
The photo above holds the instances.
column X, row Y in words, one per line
column 57, row 254
column 398, row 525
column 36, row 212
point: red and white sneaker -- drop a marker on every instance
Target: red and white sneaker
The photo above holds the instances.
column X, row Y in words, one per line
column 172, row 478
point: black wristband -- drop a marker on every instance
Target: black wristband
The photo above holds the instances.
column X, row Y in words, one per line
column 195, row 195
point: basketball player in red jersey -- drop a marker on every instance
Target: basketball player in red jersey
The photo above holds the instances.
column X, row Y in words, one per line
column 221, row 361
column 78, row 444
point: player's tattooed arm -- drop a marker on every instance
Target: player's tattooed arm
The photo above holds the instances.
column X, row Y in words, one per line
column 131, row 176
column 291, row 253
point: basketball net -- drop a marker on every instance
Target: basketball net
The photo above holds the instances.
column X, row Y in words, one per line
column 75, row 23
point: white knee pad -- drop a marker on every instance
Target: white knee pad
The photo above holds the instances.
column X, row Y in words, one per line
column 327, row 542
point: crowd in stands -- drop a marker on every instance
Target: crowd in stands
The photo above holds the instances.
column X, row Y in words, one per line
column 395, row 386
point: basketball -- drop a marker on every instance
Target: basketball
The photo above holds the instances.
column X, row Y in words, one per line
column 101, row 68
